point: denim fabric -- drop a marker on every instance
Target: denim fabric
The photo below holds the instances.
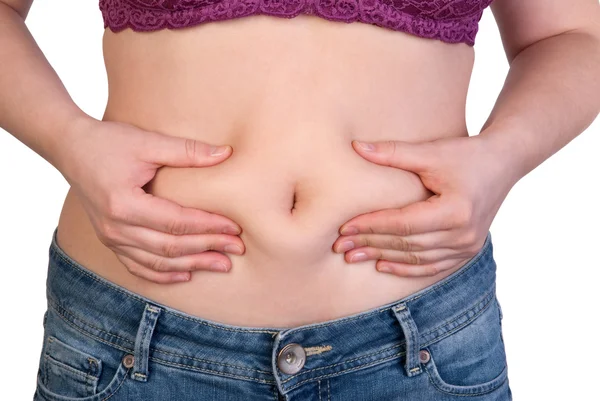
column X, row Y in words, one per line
column 103, row 342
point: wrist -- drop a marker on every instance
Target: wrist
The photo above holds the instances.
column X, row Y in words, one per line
column 506, row 152
column 63, row 145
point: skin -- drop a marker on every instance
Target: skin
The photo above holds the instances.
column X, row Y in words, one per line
column 425, row 237
column 157, row 241
column 153, row 237
column 77, row 144
column 553, row 48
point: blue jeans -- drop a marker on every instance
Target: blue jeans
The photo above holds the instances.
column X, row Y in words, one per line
column 103, row 342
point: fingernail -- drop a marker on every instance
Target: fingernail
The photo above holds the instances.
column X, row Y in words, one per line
column 358, row 257
column 366, row 146
column 220, row 266
column 233, row 249
column 346, row 246
column 384, row 269
column 182, row 277
column 231, row 230
column 349, row 230
column 218, row 151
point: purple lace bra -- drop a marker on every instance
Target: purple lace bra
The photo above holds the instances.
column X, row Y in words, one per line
column 451, row 21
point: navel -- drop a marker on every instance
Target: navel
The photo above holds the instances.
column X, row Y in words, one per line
column 294, row 200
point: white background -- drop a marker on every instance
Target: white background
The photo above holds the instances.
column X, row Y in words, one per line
column 545, row 235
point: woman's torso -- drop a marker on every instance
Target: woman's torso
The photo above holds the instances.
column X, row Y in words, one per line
column 289, row 95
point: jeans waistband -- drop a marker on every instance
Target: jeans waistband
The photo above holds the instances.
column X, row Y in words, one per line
column 156, row 333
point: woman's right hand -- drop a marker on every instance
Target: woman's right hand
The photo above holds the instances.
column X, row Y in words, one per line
column 107, row 164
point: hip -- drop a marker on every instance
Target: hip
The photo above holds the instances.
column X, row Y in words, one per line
column 441, row 343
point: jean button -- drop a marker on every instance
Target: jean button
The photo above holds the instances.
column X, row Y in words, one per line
column 424, row 356
column 128, row 361
column 291, row 358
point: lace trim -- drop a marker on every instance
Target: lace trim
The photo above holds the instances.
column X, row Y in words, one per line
column 452, row 21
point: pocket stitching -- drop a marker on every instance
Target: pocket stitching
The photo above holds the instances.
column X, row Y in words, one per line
column 113, row 387
column 90, row 381
column 53, row 343
column 120, row 384
column 69, row 368
column 460, row 326
column 469, row 391
column 87, row 381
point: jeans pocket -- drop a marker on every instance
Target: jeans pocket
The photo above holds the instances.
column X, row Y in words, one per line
column 75, row 367
column 68, row 370
column 471, row 360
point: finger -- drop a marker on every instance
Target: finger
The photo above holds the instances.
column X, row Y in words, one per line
column 172, row 246
column 415, row 157
column 158, row 277
column 410, row 243
column 411, row 258
column 432, row 214
column 167, row 150
column 166, row 216
column 210, row 260
column 408, row 270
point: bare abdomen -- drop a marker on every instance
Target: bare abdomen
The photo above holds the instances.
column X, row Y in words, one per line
column 289, row 105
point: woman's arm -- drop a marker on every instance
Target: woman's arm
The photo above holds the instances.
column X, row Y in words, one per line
column 551, row 94
column 552, row 91
column 35, row 107
column 107, row 164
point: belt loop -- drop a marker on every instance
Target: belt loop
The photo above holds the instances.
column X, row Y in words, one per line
column 142, row 342
column 411, row 334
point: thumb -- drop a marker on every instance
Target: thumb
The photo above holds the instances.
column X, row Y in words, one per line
column 175, row 151
column 404, row 155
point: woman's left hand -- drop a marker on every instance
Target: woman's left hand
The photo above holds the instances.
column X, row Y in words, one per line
column 424, row 238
